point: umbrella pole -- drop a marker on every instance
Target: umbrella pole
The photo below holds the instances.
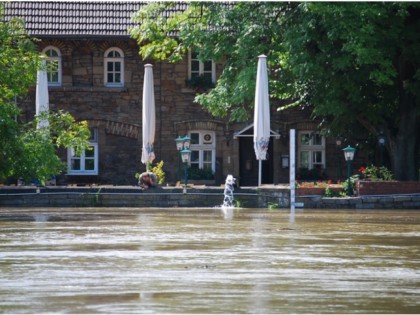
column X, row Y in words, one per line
column 259, row 172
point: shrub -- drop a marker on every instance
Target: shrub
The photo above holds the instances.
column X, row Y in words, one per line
column 200, row 84
column 159, row 172
column 345, row 184
column 375, row 173
column 331, row 193
column 316, row 173
column 200, row 173
column 312, row 184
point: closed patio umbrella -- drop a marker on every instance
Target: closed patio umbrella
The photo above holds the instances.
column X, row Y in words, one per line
column 41, row 98
column 261, row 114
column 148, row 117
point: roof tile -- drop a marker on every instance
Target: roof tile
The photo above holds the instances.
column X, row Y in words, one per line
column 76, row 18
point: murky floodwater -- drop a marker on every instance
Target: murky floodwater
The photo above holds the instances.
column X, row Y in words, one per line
column 206, row 261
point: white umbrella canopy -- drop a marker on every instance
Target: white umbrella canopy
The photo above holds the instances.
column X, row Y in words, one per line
column 148, row 118
column 42, row 98
column 261, row 114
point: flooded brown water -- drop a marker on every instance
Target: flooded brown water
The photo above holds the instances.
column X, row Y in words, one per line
column 177, row 260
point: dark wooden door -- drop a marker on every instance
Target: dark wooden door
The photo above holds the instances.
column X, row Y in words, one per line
column 248, row 164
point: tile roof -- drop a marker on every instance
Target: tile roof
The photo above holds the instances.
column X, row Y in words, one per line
column 76, row 18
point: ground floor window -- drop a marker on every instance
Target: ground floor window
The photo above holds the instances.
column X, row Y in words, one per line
column 85, row 163
column 203, row 150
column 311, row 148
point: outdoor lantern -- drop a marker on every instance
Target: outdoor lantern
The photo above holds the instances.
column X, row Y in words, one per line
column 338, row 142
column 381, row 139
column 186, row 155
column 179, row 143
column 348, row 156
column 349, row 153
column 187, row 142
column 183, row 147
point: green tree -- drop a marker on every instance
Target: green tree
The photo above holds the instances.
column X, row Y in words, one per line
column 360, row 66
column 354, row 64
column 232, row 34
column 26, row 151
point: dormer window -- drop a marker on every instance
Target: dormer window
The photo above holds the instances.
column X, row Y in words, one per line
column 53, row 62
column 114, row 68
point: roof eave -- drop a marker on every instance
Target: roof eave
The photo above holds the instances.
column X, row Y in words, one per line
column 93, row 37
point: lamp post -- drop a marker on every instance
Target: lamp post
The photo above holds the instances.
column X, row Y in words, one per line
column 381, row 141
column 338, row 145
column 348, row 156
column 183, row 147
column 179, row 146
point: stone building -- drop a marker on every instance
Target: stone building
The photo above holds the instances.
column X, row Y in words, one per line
column 98, row 77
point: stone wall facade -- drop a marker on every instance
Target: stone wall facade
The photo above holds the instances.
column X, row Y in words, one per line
column 33, row 197
column 116, row 112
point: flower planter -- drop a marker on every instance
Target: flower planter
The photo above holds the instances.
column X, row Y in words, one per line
column 365, row 187
column 315, row 191
column 198, row 182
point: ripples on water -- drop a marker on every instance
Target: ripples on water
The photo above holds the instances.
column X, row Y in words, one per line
column 100, row 260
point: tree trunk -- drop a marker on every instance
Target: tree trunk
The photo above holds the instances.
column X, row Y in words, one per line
column 403, row 146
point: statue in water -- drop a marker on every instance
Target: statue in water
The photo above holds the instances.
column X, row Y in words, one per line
column 228, row 200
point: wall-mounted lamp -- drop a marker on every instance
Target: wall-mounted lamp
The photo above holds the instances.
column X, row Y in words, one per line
column 284, row 161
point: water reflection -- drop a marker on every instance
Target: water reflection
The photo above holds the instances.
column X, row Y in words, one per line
column 228, row 212
column 204, row 261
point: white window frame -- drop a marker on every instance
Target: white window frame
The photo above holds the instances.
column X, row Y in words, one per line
column 205, row 144
column 201, row 70
column 114, row 60
column 71, row 156
column 53, row 59
column 312, row 148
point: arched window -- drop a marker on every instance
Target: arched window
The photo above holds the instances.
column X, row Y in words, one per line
column 53, row 65
column 114, row 67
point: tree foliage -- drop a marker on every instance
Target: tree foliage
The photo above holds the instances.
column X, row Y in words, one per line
column 360, row 71
column 232, row 34
column 26, row 151
column 355, row 64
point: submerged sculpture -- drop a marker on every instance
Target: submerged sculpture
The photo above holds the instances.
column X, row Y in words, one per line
column 229, row 187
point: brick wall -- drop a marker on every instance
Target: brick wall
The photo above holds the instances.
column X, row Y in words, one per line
column 117, row 113
column 365, row 188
